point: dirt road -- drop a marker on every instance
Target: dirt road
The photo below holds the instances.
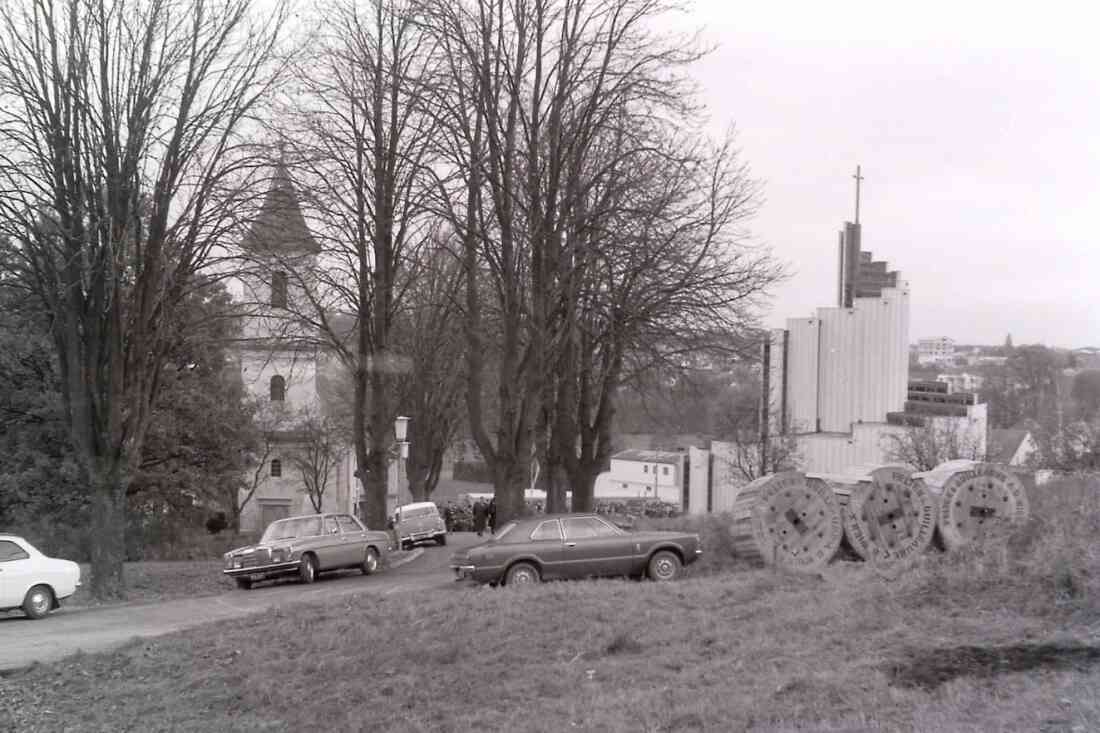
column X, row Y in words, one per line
column 69, row 630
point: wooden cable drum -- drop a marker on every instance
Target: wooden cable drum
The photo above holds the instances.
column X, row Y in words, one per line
column 978, row 502
column 890, row 519
column 787, row 520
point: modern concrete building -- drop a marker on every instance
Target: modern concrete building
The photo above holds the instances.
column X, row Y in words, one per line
column 834, row 379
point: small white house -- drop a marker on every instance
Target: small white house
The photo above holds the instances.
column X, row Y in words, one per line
column 644, row 474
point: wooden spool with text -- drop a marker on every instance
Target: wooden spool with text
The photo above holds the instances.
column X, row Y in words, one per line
column 890, row 519
column 981, row 502
column 787, row 520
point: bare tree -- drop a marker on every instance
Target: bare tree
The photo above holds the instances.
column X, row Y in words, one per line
column 429, row 332
column 934, row 442
column 535, row 90
column 270, row 422
column 320, row 449
column 360, row 145
column 121, row 169
column 674, row 282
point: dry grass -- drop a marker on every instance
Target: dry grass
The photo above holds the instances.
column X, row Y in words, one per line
column 991, row 642
column 147, row 582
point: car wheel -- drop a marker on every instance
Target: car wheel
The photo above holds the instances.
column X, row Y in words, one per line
column 307, row 571
column 522, row 573
column 38, row 601
column 441, row 539
column 370, row 562
column 244, row 583
column 664, row 565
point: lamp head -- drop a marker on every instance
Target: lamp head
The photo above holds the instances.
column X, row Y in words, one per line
column 401, row 428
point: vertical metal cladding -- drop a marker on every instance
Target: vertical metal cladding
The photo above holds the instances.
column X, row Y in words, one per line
column 699, row 460
column 863, row 361
column 802, row 374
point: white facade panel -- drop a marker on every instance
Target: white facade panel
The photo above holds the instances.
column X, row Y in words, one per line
column 836, row 452
column 699, row 460
column 863, row 360
column 779, row 344
column 802, row 374
column 837, row 365
column 726, row 480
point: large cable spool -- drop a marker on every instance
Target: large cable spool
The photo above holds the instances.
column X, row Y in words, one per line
column 786, row 520
column 890, row 519
column 978, row 502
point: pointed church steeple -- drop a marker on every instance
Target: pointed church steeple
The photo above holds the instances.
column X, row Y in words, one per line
column 280, row 228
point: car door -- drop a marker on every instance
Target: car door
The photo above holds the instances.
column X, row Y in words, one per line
column 594, row 548
column 546, row 545
column 16, row 573
column 331, row 549
column 353, row 538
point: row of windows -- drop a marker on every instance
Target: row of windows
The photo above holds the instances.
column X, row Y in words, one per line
column 664, row 469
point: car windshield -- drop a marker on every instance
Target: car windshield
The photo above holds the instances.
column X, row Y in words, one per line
column 288, row 529
column 424, row 511
column 500, row 533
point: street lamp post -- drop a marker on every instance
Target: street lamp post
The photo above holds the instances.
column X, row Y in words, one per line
column 400, row 433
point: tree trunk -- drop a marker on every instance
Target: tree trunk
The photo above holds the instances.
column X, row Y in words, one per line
column 108, row 525
column 509, row 476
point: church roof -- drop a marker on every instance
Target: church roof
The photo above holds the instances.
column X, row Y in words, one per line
column 280, row 228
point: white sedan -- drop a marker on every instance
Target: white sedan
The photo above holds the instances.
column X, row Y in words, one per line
column 32, row 581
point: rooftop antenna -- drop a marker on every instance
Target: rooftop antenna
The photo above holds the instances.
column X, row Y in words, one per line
column 858, row 178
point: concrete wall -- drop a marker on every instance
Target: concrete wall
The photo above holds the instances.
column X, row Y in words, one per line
column 726, row 482
column 699, row 460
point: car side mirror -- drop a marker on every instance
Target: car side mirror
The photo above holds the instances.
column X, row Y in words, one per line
column 334, row 530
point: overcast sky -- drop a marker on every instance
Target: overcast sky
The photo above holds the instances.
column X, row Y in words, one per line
column 978, row 129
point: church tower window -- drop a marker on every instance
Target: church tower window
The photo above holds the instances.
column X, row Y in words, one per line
column 276, row 467
column 278, row 289
column 278, row 389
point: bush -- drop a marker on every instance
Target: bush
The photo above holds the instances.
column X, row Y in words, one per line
column 217, row 523
column 1049, row 565
column 714, row 534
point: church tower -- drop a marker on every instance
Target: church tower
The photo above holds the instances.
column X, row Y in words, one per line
column 278, row 351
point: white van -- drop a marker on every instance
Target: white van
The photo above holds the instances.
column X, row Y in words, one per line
column 417, row 522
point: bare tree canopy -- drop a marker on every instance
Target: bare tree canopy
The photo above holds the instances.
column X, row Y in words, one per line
column 122, row 167
column 358, row 137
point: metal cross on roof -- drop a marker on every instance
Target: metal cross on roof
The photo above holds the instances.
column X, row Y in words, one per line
column 858, row 178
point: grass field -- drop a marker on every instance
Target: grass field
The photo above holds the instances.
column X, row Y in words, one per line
column 161, row 581
column 987, row 641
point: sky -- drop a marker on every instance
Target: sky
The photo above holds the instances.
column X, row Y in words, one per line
column 977, row 126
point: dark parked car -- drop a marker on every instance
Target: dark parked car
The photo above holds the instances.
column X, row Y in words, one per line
column 305, row 546
column 574, row 546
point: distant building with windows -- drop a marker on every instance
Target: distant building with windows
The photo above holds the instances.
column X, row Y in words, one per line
column 939, row 350
column 838, row 381
column 645, row 474
column 963, row 382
